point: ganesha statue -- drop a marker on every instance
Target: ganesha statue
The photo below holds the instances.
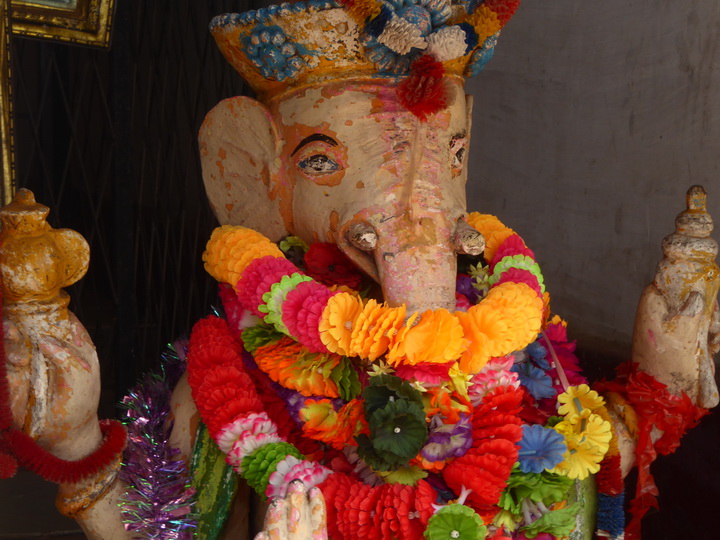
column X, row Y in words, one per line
column 385, row 364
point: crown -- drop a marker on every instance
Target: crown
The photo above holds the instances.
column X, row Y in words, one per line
column 292, row 45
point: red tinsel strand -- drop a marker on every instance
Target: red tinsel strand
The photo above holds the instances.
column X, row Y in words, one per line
column 424, row 92
column 38, row 460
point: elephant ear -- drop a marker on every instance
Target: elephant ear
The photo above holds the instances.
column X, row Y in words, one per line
column 238, row 146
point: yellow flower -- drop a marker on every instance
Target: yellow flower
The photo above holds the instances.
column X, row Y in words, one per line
column 587, row 436
column 436, row 338
column 231, row 249
column 578, row 398
column 580, row 460
column 337, row 321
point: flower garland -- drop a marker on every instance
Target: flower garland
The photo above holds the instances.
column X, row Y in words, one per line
column 410, row 413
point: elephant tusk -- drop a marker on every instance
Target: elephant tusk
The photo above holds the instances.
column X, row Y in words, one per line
column 467, row 240
column 362, row 236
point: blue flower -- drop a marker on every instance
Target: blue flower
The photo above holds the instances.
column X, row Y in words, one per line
column 537, row 382
column 272, row 53
column 538, row 354
column 540, row 448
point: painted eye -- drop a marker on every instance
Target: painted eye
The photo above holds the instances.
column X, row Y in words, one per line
column 318, row 164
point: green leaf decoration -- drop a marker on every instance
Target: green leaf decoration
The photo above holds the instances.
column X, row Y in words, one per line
column 259, row 335
column 545, row 487
column 384, row 388
column 556, row 522
column 346, row 379
column 290, row 242
column 455, row 522
column 215, row 484
column 399, row 427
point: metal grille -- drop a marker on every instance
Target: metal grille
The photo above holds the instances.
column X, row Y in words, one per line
column 107, row 139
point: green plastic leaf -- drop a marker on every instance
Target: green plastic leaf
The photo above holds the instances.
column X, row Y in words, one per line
column 346, row 379
column 215, row 483
column 556, row 522
column 259, row 335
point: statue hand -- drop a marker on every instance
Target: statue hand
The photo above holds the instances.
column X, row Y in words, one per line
column 54, row 383
column 298, row 516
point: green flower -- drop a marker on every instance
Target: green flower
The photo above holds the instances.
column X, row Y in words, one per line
column 275, row 297
column 455, row 521
column 399, row 427
column 408, row 476
column 258, row 466
column 384, row 388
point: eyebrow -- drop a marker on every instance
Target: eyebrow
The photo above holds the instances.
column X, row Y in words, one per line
column 312, row 138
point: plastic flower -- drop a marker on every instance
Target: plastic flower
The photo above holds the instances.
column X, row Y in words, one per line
column 425, row 372
column 577, row 398
column 455, row 521
column 231, row 249
column 398, row 428
column 259, row 465
column 495, row 373
column 373, row 329
column 275, row 298
column 494, row 232
column 257, row 279
column 447, row 441
column 436, row 338
column 537, row 382
column 252, row 422
column 580, row 459
column 330, row 266
column 540, row 448
column 338, row 320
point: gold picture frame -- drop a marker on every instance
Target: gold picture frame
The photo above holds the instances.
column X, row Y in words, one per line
column 87, row 22
column 6, row 131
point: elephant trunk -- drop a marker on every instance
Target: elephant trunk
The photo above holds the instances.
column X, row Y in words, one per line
column 416, row 262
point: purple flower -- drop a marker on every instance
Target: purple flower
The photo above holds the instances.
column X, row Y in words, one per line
column 447, row 440
column 540, row 448
column 464, row 285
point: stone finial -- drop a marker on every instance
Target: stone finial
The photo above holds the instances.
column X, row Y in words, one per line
column 693, row 226
column 36, row 260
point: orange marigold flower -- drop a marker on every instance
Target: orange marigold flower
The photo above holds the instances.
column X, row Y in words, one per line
column 492, row 229
column 374, row 328
column 436, row 338
column 231, row 249
column 337, row 322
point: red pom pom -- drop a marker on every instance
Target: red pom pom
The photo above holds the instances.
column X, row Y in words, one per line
column 423, row 93
column 8, row 466
column 505, row 9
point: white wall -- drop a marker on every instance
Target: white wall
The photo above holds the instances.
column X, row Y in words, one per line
column 590, row 123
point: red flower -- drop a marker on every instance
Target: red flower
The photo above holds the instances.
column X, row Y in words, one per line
column 328, row 265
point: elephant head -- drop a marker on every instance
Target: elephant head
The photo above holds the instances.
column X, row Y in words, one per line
column 345, row 163
column 336, row 151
